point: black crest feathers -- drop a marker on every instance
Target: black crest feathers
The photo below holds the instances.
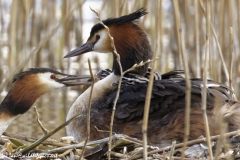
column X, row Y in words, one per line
column 120, row 20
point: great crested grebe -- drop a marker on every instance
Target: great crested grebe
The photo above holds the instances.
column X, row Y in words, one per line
column 167, row 108
column 27, row 88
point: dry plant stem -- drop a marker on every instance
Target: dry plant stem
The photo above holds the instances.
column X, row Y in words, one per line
column 187, row 96
column 204, row 88
column 99, row 130
column 62, row 149
column 89, row 109
column 231, row 55
column 30, row 139
column 13, row 35
column 116, row 8
column 39, row 122
column 147, row 105
column 189, row 143
column 221, row 139
column 175, row 158
column 181, row 45
column 218, row 44
column 231, row 62
column 172, row 150
column 118, row 155
column 124, row 152
column 39, row 141
column 197, row 41
column 42, row 43
column 119, row 85
column 65, row 153
column 229, row 155
column 79, row 146
column 139, row 65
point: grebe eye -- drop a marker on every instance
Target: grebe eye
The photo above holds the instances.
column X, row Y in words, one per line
column 52, row 76
column 97, row 37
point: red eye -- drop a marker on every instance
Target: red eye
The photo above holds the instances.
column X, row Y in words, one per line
column 52, row 76
column 97, row 37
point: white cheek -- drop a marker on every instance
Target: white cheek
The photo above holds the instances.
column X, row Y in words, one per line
column 100, row 46
column 47, row 81
column 54, row 85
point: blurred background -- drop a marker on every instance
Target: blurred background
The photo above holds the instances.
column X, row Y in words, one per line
column 38, row 33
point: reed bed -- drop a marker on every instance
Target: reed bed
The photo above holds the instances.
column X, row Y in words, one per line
column 38, row 33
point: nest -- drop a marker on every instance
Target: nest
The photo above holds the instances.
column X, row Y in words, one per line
column 123, row 147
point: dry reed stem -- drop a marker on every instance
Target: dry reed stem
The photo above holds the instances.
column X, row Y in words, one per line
column 13, row 34
column 124, row 152
column 238, row 20
column 197, row 38
column 116, row 8
column 120, row 81
column 122, row 156
column 89, row 109
column 231, row 62
column 175, row 158
column 181, row 45
column 204, row 88
column 45, row 131
column 189, row 143
column 221, row 139
column 65, row 153
column 159, row 36
column 139, row 65
column 94, row 143
column 217, row 42
column 172, row 150
column 123, row 8
column 147, row 106
column 119, row 155
column 31, row 139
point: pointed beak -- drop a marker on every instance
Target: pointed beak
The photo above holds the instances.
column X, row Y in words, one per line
column 70, row 80
column 87, row 47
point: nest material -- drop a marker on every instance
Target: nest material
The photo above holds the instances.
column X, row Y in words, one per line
column 124, row 147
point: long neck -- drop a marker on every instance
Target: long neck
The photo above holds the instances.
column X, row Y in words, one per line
column 12, row 106
column 9, row 110
column 21, row 97
column 80, row 106
column 132, row 45
column 5, row 121
column 18, row 101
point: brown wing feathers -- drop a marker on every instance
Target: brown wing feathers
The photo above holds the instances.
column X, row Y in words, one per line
column 167, row 95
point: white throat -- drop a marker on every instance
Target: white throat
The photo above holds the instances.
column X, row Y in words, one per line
column 106, row 82
column 99, row 88
column 81, row 104
column 4, row 123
